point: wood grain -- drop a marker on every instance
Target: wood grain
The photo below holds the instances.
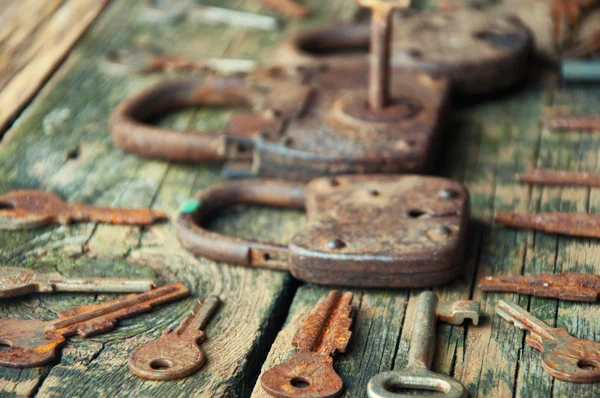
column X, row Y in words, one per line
column 35, row 36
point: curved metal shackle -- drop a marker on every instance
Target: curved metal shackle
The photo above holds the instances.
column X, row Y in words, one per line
column 199, row 240
column 130, row 128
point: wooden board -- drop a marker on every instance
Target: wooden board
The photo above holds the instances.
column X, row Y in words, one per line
column 61, row 144
column 35, row 36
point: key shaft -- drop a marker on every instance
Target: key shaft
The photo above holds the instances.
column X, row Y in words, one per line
column 571, row 224
column 177, row 353
column 522, row 319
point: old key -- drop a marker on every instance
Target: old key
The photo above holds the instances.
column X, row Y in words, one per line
column 309, row 372
column 21, row 281
column 417, row 375
column 177, row 353
column 36, row 342
column 32, row 208
column 564, row 356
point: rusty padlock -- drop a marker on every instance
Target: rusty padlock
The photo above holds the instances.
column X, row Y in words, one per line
column 304, row 122
column 362, row 230
column 479, row 52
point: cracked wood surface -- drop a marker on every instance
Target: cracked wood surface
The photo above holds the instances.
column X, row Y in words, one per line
column 61, row 144
column 34, row 38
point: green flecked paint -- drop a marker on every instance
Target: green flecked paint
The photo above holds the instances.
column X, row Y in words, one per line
column 190, row 206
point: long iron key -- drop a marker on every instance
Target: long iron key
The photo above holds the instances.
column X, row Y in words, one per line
column 36, row 342
column 31, row 209
column 177, row 353
column 16, row 282
column 309, row 372
column 563, row 356
column 416, row 375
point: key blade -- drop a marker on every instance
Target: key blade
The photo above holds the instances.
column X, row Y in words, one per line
column 103, row 285
column 522, row 319
column 560, row 177
column 568, row 286
column 327, row 330
column 570, row 224
column 84, row 212
column 88, row 320
column 200, row 316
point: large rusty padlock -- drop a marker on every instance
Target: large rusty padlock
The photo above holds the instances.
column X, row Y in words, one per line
column 301, row 124
column 365, row 230
column 478, row 52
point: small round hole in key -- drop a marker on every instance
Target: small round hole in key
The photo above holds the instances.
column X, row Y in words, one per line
column 299, row 382
column 161, row 364
column 6, row 206
column 425, row 391
column 587, row 364
column 4, row 346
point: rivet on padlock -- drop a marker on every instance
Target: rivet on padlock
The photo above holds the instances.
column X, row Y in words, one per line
column 368, row 230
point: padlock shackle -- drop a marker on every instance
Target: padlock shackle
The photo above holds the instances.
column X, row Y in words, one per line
column 199, row 240
column 130, row 122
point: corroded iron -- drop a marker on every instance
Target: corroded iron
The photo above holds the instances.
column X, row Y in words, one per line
column 568, row 286
column 32, row 209
column 177, row 353
column 560, row 177
column 36, row 342
column 566, row 122
column 571, row 224
column 417, row 375
column 419, row 240
column 563, row 356
column 289, row 8
column 21, row 281
column 309, row 372
column 478, row 52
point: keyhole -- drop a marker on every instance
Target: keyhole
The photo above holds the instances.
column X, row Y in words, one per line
column 4, row 346
column 587, row 364
column 6, row 206
column 161, row 364
column 299, row 382
column 399, row 388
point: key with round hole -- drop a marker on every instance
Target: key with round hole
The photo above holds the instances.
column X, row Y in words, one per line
column 417, row 375
column 177, row 353
column 563, row 356
column 32, row 209
column 309, row 371
column 35, row 342
column 16, row 282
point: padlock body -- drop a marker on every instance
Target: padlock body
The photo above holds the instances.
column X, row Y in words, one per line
column 381, row 231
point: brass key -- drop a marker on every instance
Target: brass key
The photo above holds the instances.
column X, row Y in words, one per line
column 36, row 342
column 16, row 282
column 309, row 372
column 417, row 376
column 563, row 356
column 177, row 353
column 33, row 209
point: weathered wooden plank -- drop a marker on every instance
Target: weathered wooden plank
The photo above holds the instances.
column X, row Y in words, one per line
column 70, row 117
column 35, row 36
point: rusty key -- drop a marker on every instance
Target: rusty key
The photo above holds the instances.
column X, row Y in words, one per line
column 309, row 372
column 564, row 356
column 177, row 353
column 35, row 342
column 570, row 224
column 570, row 286
column 560, row 177
column 418, row 376
column 32, row 209
column 16, row 282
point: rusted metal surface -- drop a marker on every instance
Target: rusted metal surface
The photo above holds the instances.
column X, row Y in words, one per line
column 32, row 209
column 571, row 122
column 560, row 177
column 478, row 52
column 571, row 224
column 135, row 60
column 421, row 229
column 569, row 286
column 21, row 281
column 563, row 356
column 177, row 353
column 290, row 8
column 309, row 372
column 417, row 375
column 35, row 342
